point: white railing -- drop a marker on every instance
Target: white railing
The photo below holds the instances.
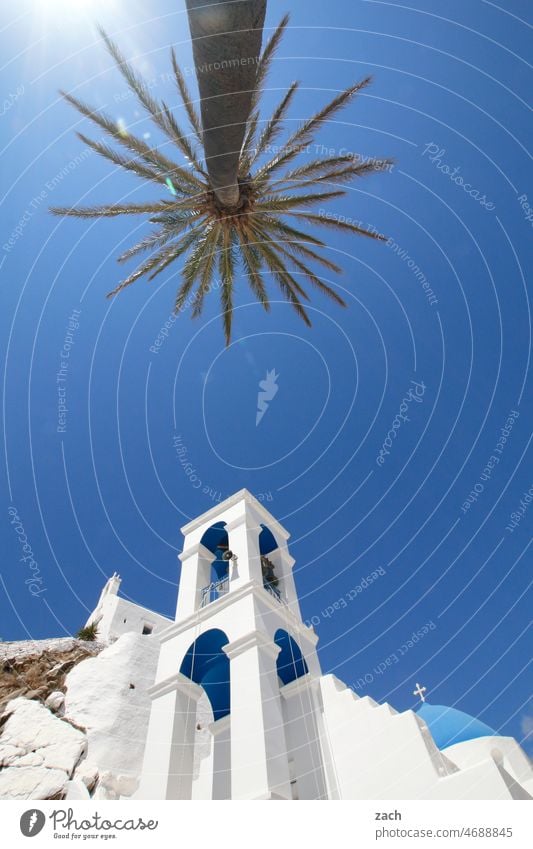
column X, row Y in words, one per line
column 215, row 590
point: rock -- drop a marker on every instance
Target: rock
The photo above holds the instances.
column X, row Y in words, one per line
column 106, row 787
column 36, row 668
column 31, row 729
column 113, row 786
column 31, row 759
column 38, row 693
column 126, row 785
column 102, row 792
column 27, row 782
column 55, row 701
column 89, row 739
column 88, row 773
column 9, row 753
column 76, row 790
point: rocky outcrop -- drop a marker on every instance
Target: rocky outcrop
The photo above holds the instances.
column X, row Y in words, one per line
column 77, row 725
column 36, row 668
column 38, row 751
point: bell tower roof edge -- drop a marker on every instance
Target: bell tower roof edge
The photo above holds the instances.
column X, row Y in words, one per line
column 218, row 509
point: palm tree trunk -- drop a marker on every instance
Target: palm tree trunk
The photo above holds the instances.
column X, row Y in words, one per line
column 226, row 38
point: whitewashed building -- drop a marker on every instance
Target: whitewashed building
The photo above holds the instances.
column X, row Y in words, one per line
column 114, row 615
column 228, row 701
column 240, row 708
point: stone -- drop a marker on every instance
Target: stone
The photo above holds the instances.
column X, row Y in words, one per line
column 9, row 753
column 102, row 792
column 75, row 789
column 55, row 701
column 31, row 730
column 106, row 787
column 126, row 784
column 36, row 668
column 31, row 759
column 27, row 782
column 87, row 772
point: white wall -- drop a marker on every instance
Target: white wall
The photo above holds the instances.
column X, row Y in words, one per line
column 108, row 696
column 117, row 616
column 507, row 755
column 381, row 754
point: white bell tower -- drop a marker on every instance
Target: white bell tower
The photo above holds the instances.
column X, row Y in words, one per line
column 238, row 638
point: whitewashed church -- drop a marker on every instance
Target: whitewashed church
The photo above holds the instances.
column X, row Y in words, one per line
column 233, row 703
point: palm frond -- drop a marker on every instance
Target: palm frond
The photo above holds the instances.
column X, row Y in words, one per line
column 311, row 276
column 142, row 269
column 288, row 285
column 273, row 125
column 192, row 113
column 159, row 237
column 227, row 279
column 185, row 179
column 304, row 134
column 266, row 247
column 340, row 177
column 281, row 203
column 190, row 277
column 182, row 141
column 145, row 172
column 158, row 261
column 309, row 127
column 211, row 250
column 299, row 241
column 336, row 175
column 308, row 253
column 315, row 166
column 226, row 298
column 176, row 208
column 252, row 265
column 247, row 150
column 272, row 221
column 156, row 110
column 154, row 240
column 336, row 224
column 265, row 60
column 195, row 263
column 135, row 83
column 109, row 211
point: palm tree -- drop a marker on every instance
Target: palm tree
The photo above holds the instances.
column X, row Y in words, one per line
column 261, row 228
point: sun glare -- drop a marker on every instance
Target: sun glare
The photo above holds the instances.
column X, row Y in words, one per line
column 70, row 9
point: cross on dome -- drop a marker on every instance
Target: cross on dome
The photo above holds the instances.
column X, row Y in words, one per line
column 419, row 691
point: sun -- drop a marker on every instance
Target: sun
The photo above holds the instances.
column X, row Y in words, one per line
column 69, row 9
column 73, row 14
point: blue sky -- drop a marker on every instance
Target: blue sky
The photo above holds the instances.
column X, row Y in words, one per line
column 442, row 374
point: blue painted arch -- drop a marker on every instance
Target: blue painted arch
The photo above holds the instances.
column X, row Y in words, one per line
column 207, row 665
column 267, row 541
column 214, row 536
column 215, row 539
column 217, row 535
column 290, row 662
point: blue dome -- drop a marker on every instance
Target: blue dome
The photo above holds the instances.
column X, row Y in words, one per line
column 449, row 726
